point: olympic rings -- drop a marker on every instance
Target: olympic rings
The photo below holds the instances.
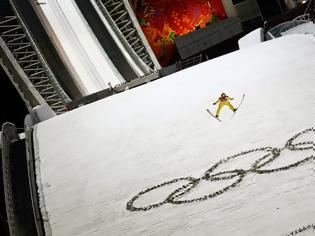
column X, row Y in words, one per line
column 171, row 198
column 297, row 146
column 131, row 207
column 270, row 154
column 302, row 229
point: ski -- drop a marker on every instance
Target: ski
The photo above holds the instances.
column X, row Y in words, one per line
column 213, row 115
column 238, row 106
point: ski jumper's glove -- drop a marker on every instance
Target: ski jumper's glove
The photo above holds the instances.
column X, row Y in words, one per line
column 215, row 103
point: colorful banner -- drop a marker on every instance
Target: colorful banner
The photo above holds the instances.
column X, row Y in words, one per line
column 162, row 20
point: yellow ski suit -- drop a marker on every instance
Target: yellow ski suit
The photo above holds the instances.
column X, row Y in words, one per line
column 224, row 101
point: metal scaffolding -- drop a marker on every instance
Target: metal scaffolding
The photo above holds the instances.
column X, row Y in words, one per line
column 118, row 16
column 23, row 48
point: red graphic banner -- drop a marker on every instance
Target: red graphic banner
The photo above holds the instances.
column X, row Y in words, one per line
column 162, row 20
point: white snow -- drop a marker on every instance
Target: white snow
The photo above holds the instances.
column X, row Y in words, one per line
column 93, row 160
column 306, row 28
column 250, row 39
column 91, row 63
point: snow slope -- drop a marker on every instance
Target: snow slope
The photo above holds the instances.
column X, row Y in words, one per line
column 252, row 38
column 93, row 160
column 91, row 63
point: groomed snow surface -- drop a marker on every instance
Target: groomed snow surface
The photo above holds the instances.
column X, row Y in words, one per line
column 252, row 38
column 93, row 160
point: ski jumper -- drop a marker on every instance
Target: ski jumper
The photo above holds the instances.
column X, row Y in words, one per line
column 224, row 101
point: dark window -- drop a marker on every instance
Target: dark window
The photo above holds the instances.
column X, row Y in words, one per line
column 237, row 1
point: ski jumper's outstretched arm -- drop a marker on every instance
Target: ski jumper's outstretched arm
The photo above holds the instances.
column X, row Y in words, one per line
column 215, row 103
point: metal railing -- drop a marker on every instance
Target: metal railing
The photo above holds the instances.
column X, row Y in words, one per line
column 277, row 30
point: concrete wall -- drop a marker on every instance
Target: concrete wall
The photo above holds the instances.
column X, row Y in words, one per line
column 229, row 8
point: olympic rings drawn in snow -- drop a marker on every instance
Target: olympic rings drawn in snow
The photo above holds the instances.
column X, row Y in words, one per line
column 302, row 229
column 269, row 155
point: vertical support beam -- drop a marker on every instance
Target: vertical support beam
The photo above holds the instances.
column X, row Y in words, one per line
column 229, row 8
